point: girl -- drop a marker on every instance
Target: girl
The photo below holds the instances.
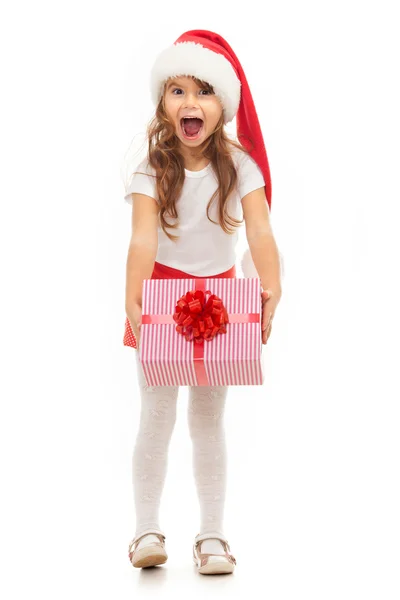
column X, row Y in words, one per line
column 194, row 180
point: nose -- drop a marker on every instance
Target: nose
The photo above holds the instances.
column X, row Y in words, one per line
column 191, row 99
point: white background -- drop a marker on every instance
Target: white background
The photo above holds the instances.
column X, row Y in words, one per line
column 313, row 493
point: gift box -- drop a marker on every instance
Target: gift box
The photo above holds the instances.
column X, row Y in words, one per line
column 201, row 332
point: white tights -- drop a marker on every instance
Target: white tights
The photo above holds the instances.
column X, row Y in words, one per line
column 149, row 465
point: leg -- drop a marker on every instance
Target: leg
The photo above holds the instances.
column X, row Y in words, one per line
column 206, row 425
column 150, row 457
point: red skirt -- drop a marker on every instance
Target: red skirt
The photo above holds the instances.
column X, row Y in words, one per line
column 164, row 272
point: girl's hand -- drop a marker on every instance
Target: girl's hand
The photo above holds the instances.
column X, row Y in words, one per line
column 270, row 300
column 134, row 315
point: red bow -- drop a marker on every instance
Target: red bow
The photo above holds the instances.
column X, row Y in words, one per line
column 198, row 318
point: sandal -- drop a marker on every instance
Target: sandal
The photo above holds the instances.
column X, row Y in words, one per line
column 151, row 554
column 211, row 564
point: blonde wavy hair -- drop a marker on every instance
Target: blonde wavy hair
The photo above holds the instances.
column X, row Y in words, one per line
column 165, row 157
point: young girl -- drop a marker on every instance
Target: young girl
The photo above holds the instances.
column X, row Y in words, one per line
column 198, row 182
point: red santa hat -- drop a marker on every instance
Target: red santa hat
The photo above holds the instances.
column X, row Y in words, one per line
column 207, row 56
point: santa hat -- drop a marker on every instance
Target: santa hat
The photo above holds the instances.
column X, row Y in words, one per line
column 207, row 56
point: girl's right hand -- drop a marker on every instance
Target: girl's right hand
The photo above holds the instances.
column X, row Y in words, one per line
column 134, row 315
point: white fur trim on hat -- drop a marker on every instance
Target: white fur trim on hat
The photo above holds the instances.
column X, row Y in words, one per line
column 190, row 58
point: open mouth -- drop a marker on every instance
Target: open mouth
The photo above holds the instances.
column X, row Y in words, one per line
column 191, row 128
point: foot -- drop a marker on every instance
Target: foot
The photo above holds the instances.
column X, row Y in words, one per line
column 212, row 555
column 147, row 550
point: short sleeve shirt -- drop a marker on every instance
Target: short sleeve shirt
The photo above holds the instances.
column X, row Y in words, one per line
column 203, row 248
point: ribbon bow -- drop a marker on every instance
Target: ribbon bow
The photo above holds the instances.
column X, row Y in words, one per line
column 199, row 318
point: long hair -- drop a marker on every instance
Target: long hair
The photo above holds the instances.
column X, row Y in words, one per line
column 165, row 157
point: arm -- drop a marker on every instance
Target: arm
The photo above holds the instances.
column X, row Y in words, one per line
column 142, row 250
column 263, row 248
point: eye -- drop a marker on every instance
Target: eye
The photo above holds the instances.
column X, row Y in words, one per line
column 180, row 89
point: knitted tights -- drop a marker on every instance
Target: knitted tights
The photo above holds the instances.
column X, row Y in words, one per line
column 150, row 457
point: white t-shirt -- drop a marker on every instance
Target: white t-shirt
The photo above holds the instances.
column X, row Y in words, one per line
column 203, row 247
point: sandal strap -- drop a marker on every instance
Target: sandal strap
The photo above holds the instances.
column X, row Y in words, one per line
column 211, row 535
column 133, row 544
column 203, row 556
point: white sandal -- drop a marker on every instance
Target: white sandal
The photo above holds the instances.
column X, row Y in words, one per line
column 151, row 554
column 212, row 564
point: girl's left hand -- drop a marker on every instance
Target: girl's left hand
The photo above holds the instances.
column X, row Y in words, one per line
column 270, row 300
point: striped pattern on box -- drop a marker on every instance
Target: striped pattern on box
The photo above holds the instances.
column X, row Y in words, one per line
column 234, row 358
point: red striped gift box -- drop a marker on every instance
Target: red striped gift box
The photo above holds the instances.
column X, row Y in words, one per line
column 171, row 356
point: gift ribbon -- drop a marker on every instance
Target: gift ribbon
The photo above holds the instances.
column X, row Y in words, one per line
column 198, row 349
